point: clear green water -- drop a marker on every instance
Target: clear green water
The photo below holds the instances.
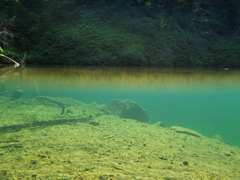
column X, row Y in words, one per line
column 207, row 101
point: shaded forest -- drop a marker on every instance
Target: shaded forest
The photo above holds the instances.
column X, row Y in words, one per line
column 168, row 33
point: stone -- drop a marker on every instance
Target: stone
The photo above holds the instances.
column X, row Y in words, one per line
column 186, row 131
column 128, row 109
column 159, row 124
column 218, row 137
column 17, row 94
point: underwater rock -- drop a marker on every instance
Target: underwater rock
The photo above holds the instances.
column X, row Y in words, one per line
column 128, row 109
column 94, row 123
column 218, row 137
column 159, row 124
column 17, row 94
column 186, row 131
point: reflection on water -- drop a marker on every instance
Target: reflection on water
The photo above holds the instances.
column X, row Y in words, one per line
column 127, row 78
column 203, row 100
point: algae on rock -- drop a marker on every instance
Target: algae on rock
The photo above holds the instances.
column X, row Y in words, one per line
column 128, row 109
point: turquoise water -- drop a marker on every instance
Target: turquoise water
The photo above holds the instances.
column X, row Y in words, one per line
column 207, row 101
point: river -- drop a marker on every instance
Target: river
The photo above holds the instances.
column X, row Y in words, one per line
column 206, row 101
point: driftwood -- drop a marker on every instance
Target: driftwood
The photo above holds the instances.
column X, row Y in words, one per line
column 4, row 60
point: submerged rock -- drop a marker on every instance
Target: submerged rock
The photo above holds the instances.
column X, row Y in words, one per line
column 186, row 131
column 128, row 109
column 159, row 124
column 218, row 137
column 17, row 94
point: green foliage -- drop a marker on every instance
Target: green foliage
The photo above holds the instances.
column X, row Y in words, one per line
column 1, row 50
column 10, row 0
column 89, row 41
column 12, row 54
column 128, row 32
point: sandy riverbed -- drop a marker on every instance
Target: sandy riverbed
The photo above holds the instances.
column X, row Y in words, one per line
column 107, row 147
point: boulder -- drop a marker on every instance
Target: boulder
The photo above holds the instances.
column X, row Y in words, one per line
column 128, row 109
column 17, row 94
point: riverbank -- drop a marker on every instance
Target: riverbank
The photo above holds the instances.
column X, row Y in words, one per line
column 124, row 33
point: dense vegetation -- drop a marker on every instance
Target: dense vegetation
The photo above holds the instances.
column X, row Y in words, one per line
column 186, row 33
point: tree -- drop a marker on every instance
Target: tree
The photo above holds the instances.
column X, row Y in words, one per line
column 6, row 33
column 6, row 26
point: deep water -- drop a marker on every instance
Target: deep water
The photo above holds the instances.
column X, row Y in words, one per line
column 207, row 101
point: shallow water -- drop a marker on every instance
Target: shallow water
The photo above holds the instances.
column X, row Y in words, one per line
column 207, row 101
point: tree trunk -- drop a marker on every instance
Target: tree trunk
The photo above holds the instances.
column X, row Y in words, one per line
column 4, row 60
